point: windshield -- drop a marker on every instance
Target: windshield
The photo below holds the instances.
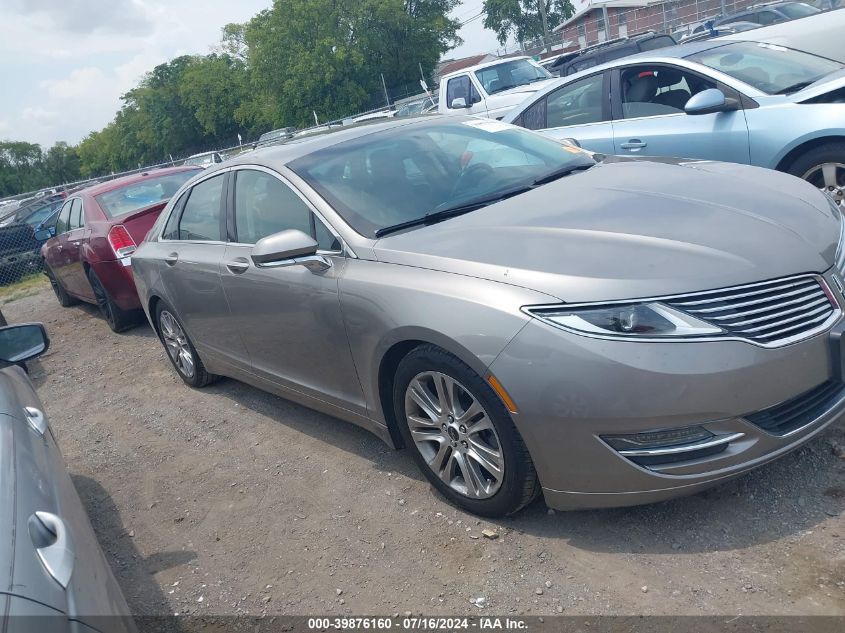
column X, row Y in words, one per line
column 797, row 10
column 770, row 68
column 397, row 175
column 138, row 195
column 509, row 75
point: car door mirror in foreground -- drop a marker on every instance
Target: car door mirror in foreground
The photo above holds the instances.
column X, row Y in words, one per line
column 289, row 248
column 22, row 342
column 710, row 101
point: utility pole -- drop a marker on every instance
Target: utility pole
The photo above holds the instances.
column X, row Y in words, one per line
column 384, row 85
column 607, row 20
column 547, row 40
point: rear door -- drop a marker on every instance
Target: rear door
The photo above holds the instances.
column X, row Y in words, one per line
column 73, row 273
column 649, row 117
column 579, row 110
column 193, row 246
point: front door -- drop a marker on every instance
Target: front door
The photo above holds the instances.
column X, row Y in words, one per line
column 289, row 317
column 193, row 245
column 649, row 117
column 578, row 110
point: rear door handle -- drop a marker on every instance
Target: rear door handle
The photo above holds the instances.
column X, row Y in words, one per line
column 171, row 259
column 634, row 143
column 238, row 265
column 53, row 544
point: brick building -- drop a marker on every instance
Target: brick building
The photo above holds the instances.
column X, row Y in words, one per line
column 629, row 17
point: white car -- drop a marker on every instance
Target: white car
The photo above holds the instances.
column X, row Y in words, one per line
column 491, row 89
column 204, row 160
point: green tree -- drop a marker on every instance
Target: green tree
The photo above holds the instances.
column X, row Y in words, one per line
column 212, row 88
column 61, row 164
column 21, row 167
column 521, row 18
column 327, row 56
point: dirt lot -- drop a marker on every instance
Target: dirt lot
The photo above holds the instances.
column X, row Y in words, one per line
column 229, row 500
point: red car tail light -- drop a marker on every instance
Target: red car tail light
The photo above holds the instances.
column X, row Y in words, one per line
column 121, row 242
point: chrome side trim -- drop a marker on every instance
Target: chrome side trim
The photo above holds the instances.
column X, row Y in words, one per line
column 685, row 448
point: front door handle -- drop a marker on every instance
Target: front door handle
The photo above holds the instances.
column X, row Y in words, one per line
column 633, row 144
column 238, row 265
column 53, row 544
column 171, row 259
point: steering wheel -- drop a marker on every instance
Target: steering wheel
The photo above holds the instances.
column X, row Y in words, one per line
column 479, row 170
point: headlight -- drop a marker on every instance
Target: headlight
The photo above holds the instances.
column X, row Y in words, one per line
column 631, row 320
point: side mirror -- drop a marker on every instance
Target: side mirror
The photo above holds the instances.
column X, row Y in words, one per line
column 710, row 101
column 458, row 102
column 571, row 141
column 22, row 342
column 289, row 248
column 42, row 235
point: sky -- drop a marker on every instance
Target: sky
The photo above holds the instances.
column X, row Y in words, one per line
column 65, row 63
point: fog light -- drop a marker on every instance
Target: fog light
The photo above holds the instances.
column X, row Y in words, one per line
column 658, row 439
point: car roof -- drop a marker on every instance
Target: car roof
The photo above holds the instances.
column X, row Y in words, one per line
column 289, row 151
column 111, row 185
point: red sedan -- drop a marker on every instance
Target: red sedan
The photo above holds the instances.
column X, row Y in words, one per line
column 97, row 230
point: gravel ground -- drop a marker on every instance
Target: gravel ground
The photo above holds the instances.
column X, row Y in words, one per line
column 229, row 501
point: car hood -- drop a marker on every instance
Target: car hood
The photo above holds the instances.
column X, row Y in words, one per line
column 520, row 92
column 626, row 229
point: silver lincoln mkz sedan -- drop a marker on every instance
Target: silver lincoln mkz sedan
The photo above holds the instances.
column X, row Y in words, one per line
column 518, row 315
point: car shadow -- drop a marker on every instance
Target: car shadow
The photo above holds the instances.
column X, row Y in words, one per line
column 780, row 500
column 133, row 572
column 341, row 434
column 794, row 494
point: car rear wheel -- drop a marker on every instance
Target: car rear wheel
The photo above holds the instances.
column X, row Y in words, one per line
column 461, row 434
column 65, row 300
column 181, row 352
column 824, row 167
column 117, row 318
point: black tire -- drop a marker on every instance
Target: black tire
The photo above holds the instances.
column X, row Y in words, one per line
column 831, row 152
column 200, row 377
column 117, row 318
column 519, row 485
column 65, row 300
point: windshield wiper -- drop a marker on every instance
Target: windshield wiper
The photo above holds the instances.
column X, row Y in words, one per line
column 560, row 173
column 794, row 87
column 451, row 212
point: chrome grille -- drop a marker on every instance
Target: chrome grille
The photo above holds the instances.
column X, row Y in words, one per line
column 768, row 312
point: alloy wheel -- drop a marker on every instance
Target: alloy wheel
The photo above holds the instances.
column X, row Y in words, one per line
column 176, row 344
column 830, row 178
column 454, row 435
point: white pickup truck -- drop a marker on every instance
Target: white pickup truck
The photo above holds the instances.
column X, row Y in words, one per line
column 491, row 89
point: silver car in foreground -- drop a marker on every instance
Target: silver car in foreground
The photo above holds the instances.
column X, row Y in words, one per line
column 517, row 315
column 52, row 569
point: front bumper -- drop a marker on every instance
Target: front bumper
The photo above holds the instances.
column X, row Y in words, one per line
column 570, row 390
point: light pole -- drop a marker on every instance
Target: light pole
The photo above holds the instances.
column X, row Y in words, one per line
column 547, row 40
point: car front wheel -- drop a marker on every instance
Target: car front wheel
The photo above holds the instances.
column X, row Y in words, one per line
column 461, row 434
column 181, row 352
column 824, row 167
column 65, row 300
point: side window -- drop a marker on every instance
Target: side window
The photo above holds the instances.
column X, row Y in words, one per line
column 535, row 116
column 200, row 219
column 767, row 17
column 264, row 205
column 658, row 90
column 64, row 216
column 577, row 103
column 76, row 220
column 459, row 87
column 171, row 229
